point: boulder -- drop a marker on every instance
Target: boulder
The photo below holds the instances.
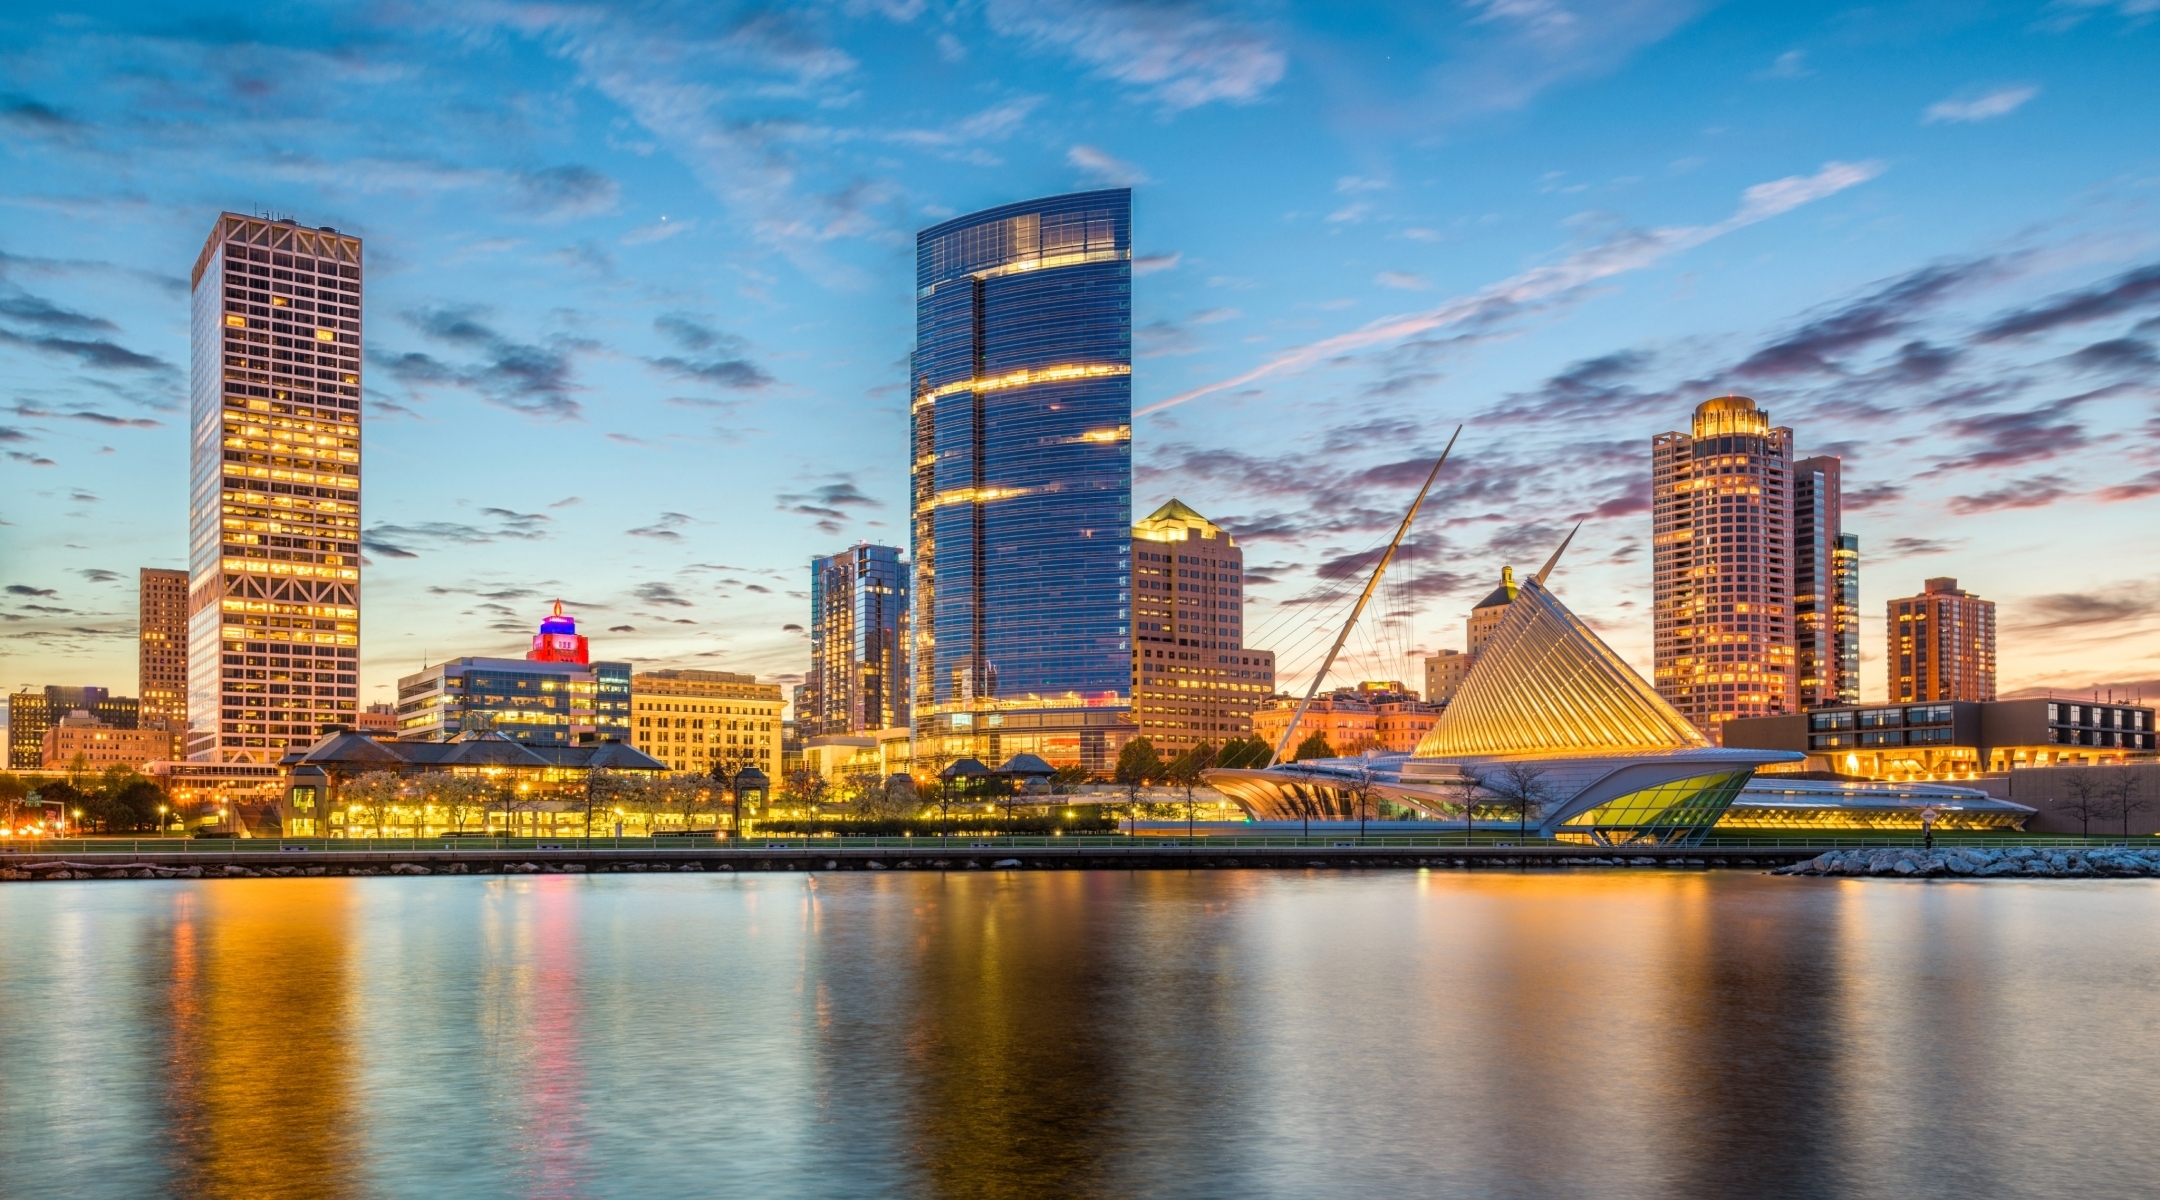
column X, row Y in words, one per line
column 1005, row 864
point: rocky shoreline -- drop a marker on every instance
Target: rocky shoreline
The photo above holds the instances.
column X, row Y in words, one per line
column 2021, row 862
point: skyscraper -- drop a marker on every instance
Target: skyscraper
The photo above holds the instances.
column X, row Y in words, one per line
column 1722, row 508
column 1942, row 644
column 1193, row 680
column 161, row 674
column 858, row 643
column 1021, row 480
column 1826, row 563
column 274, row 497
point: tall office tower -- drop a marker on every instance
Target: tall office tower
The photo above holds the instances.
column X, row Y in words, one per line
column 1722, row 507
column 161, row 676
column 1942, row 645
column 1021, row 481
column 1845, row 571
column 1818, row 509
column 858, row 643
column 1193, row 680
column 274, row 531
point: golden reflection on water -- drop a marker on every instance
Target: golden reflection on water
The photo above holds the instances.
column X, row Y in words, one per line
column 260, row 1069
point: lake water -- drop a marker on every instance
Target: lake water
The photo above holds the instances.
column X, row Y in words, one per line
column 1592, row 1034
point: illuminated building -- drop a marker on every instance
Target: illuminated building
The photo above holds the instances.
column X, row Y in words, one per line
column 30, row 714
column 1485, row 618
column 377, row 718
column 1021, row 481
column 1826, row 587
column 1960, row 739
column 692, row 720
column 533, row 789
column 555, row 701
column 100, row 745
column 1193, row 680
column 274, row 501
column 1445, row 671
column 1349, row 723
column 1444, row 675
column 1942, row 645
column 858, row 643
column 1722, row 508
column 161, row 674
column 1612, row 762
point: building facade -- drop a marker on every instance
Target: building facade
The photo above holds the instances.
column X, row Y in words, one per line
column 1444, row 674
column 100, row 745
column 1826, row 571
column 858, row 642
column 1942, row 644
column 161, row 645
column 1021, row 481
column 1947, row 740
column 274, row 492
column 1485, row 618
column 1722, row 508
column 1349, row 724
column 696, row 720
column 1193, row 680
column 553, row 696
column 32, row 713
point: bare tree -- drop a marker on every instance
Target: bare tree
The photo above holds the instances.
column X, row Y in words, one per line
column 1185, row 776
column 1360, row 788
column 1474, row 779
column 2084, row 797
column 2122, row 796
column 1522, row 787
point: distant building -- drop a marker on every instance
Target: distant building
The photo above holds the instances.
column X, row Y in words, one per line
column 1942, row 645
column 1444, row 674
column 100, row 745
column 1722, row 509
column 1485, row 618
column 1351, row 725
column 1826, row 571
column 694, row 720
column 858, row 642
column 378, row 718
column 1193, row 680
column 1400, row 718
column 1954, row 739
column 274, row 502
column 161, row 648
column 1021, row 482
column 31, row 713
column 879, row 754
column 558, row 701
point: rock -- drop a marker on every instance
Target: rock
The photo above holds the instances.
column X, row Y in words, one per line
column 875, row 865
column 312, row 871
column 409, row 869
column 1904, row 866
column 1004, row 863
column 1958, row 864
column 62, row 874
column 579, row 868
column 832, row 865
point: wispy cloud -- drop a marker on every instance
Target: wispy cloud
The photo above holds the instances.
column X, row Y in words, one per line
column 1175, row 54
column 1629, row 250
column 1987, row 106
column 1103, row 168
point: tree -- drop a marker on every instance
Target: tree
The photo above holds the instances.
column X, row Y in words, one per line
column 1066, row 778
column 1315, row 745
column 1471, row 780
column 1185, row 773
column 366, row 796
column 1243, row 754
column 463, row 797
column 2084, row 797
column 131, row 804
column 1520, row 786
column 1137, row 765
column 13, row 789
column 808, row 790
column 2121, row 796
column 1360, row 787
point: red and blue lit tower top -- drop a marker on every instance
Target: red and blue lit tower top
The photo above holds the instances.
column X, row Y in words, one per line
column 558, row 640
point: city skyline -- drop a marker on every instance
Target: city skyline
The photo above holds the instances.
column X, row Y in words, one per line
column 1935, row 265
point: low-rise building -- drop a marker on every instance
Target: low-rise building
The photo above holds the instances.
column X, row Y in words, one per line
column 1959, row 739
column 551, row 697
column 100, row 744
column 695, row 720
column 378, row 719
column 882, row 753
column 1350, row 725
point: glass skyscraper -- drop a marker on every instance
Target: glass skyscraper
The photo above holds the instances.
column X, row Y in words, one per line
column 1021, row 477
column 858, row 643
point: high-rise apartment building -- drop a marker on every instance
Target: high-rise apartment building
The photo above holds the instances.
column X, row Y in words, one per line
column 274, row 497
column 1825, row 564
column 1193, row 680
column 1942, row 645
column 161, row 675
column 1722, row 508
column 696, row 720
column 1021, row 481
column 858, row 643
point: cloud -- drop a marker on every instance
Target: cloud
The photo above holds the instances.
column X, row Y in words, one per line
column 663, row 529
column 562, row 193
column 2037, row 491
column 24, row 589
column 2068, row 610
column 44, row 314
column 394, row 541
column 525, row 377
column 1403, row 280
column 1629, row 250
column 1104, row 169
column 2127, row 292
column 622, row 629
column 828, row 503
column 1175, row 54
column 1856, row 499
column 1148, row 264
column 1815, row 347
column 2143, row 486
column 1913, row 547
column 95, row 418
column 658, row 231
column 2000, row 102
column 98, row 574
column 2117, row 354
column 661, row 593
column 720, row 360
column 1790, row 65
column 791, row 627
column 95, row 353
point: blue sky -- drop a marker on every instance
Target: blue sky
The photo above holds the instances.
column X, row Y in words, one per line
column 640, row 303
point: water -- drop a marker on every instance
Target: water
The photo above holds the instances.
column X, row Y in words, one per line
column 1591, row 1034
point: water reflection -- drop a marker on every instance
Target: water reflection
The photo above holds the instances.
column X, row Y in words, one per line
column 259, row 1064
column 1163, row 1034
